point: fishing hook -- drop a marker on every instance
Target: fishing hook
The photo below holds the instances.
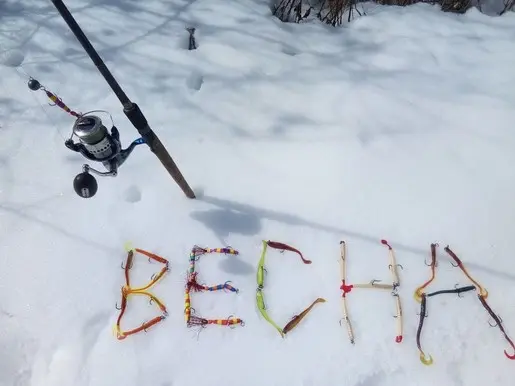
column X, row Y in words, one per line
column 397, row 265
column 150, row 301
column 116, row 306
column 459, row 293
column 199, row 330
column 455, row 266
column 198, row 251
column 231, row 326
column 260, row 289
column 129, row 267
column 395, row 291
column 496, row 324
column 373, row 281
column 235, row 289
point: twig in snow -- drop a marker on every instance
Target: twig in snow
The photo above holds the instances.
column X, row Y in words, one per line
column 455, row 6
column 192, row 43
column 509, row 5
column 283, row 10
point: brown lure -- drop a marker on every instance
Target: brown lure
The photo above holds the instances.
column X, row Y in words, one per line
column 286, row 247
column 297, row 318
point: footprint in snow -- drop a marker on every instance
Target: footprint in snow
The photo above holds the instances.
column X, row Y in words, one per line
column 195, row 81
column 12, row 58
column 289, row 50
column 132, row 194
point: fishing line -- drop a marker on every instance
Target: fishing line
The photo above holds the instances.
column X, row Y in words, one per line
column 25, row 76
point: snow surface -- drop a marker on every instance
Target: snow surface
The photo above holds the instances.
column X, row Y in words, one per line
column 398, row 125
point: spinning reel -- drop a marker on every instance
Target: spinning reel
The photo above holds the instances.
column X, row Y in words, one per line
column 95, row 143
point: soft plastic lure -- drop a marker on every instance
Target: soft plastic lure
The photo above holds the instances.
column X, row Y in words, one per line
column 260, row 278
column 482, row 291
column 498, row 324
column 346, row 288
column 343, row 275
column 425, row 359
column 428, row 359
column 193, row 285
column 419, row 290
column 297, row 318
column 127, row 290
column 482, row 295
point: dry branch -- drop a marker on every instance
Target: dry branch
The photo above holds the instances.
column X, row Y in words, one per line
column 509, row 5
column 332, row 11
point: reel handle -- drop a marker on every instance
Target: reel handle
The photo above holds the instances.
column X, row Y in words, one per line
column 84, row 184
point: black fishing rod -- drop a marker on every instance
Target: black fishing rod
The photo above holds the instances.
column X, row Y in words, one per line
column 131, row 110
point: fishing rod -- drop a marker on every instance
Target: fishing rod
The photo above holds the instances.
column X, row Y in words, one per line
column 92, row 129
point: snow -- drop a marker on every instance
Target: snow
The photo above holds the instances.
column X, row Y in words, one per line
column 398, row 125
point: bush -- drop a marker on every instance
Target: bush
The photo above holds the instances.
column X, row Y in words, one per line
column 332, row 11
column 509, row 5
